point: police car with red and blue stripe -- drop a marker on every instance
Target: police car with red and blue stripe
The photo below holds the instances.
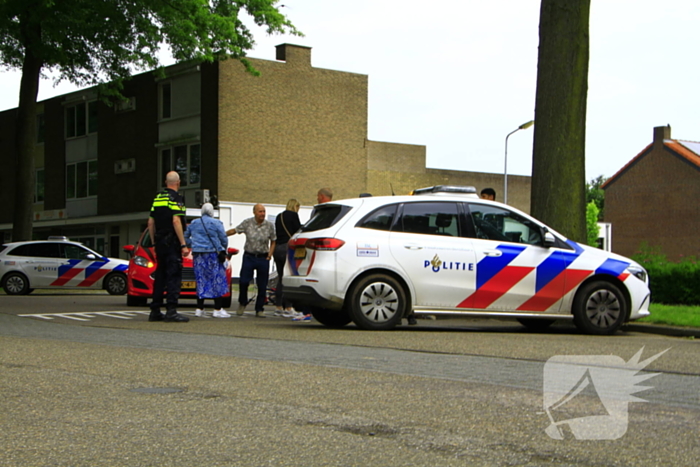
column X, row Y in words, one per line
column 444, row 251
column 59, row 263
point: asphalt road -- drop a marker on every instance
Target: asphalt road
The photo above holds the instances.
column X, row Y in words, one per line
column 88, row 381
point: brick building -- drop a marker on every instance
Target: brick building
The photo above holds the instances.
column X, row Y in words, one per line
column 267, row 138
column 652, row 198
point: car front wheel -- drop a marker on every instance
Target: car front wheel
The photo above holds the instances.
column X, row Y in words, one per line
column 115, row 283
column 600, row 308
column 16, row 283
column 377, row 302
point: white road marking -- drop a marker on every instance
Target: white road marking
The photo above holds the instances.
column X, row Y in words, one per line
column 86, row 316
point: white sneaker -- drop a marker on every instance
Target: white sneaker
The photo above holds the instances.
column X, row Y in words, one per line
column 221, row 314
column 288, row 314
column 200, row 313
column 279, row 312
column 297, row 314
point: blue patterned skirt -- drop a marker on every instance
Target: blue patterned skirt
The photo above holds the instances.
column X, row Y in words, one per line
column 210, row 275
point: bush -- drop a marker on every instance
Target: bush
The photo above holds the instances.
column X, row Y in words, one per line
column 670, row 283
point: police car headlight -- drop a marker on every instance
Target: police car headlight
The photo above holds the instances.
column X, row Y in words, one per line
column 638, row 272
column 141, row 261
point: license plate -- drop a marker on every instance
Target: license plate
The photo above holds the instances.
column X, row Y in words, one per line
column 300, row 252
column 189, row 285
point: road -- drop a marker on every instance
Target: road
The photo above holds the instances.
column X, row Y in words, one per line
column 84, row 388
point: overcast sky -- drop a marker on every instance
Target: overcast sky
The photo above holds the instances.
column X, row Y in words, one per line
column 458, row 75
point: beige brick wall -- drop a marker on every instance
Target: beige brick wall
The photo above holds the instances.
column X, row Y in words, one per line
column 401, row 167
column 290, row 131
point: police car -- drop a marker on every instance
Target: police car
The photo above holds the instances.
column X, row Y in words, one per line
column 58, row 263
column 445, row 251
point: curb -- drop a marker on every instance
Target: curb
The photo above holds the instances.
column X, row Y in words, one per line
column 673, row 331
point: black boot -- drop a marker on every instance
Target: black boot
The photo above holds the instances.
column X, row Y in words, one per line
column 156, row 315
column 173, row 316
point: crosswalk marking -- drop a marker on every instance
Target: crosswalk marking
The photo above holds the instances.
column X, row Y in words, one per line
column 87, row 316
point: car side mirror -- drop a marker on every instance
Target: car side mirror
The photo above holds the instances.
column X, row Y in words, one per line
column 90, row 256
column 549, row 239
column 129, row 249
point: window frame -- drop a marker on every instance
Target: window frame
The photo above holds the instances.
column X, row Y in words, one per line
column 185, row 172
column 91, row 180
column 81, row 119
column 39, row 186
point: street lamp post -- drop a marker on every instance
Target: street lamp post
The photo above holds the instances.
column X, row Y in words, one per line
column 524, row 126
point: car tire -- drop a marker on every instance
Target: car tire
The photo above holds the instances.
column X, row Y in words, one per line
column 536, row 324
column 600, row 308
column 377, row 302
column 132, row 300
column 330, row 318
column 115, row 283
column 16, row 283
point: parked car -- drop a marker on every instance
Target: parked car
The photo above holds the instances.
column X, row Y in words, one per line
column 444, row 251
column 142, row 266
column 58, row 263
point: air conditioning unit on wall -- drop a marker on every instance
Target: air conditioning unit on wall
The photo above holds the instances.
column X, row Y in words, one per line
column 125, row 166
column 201, row 197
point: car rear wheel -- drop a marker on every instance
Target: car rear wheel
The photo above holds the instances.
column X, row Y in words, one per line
column 132, row 300
column 330, row 318
column 16, row 283
column 377, row 302
column 536, row 324
column 600, row 308
column 115, row 283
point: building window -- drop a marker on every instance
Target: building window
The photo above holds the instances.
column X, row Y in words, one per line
column 185, row 160
column 81, row 179
column 165, row 100
column 40, row 128
column 81, row 119
column 39, row 186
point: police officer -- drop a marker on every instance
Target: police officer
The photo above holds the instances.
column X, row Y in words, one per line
column 166, row 226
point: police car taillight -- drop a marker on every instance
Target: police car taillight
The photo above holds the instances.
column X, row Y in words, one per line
column 327, row 244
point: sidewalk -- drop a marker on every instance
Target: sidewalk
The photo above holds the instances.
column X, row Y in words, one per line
column 661, row 329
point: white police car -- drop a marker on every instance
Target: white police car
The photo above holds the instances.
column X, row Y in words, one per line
column 58, row 263
column 376, row 260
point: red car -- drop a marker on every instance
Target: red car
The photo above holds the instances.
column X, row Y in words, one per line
column 142, row 266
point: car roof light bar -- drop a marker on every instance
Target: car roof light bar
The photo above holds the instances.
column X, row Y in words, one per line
column 465, row 190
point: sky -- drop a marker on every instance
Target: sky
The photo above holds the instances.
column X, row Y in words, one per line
column 457, row 76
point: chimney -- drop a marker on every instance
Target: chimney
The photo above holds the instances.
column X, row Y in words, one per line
column 661, row 133
column 297, row 55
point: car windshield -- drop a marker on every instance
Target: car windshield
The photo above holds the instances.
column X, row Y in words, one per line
column 325, row 216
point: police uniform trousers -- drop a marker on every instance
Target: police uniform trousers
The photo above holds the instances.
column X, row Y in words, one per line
column 168, row 277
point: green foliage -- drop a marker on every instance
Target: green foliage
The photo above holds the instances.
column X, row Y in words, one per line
column 595, row 194
column 592, row 228
column 670, row 283
column 92, row 41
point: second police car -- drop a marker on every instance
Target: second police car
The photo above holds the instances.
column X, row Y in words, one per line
column 58, row 263
column 376, row 260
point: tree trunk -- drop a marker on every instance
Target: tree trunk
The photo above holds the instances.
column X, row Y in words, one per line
column 558, row 195
column 26, row 141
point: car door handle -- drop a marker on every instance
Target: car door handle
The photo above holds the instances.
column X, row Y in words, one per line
column 493, row 253
column 413, row 247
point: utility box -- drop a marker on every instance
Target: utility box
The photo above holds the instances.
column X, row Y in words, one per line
column 605, row 236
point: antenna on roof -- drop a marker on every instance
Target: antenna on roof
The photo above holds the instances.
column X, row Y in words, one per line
column 392, row 189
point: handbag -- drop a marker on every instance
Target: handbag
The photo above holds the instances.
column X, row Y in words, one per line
column 220, row 255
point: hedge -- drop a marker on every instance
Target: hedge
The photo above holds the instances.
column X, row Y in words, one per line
column 670, row 283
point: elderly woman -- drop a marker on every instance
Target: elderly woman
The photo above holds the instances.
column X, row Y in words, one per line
column 206, row 237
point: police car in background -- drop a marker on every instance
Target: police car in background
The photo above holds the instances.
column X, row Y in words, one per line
column 58, row 263
column 445, row 251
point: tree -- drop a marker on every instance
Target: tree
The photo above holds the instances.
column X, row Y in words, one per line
column 592, row 229
column 558, row 162
column 90, row 42
column 595, row 194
